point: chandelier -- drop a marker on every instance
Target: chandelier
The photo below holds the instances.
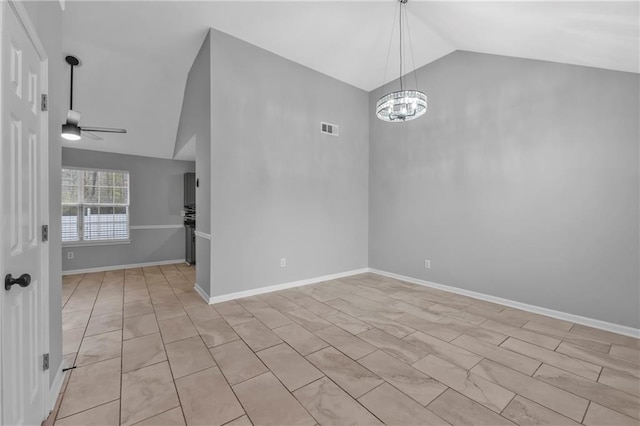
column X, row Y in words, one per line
column 403, row 105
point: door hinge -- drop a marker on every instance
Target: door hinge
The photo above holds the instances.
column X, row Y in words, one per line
column 45, row 233
column 44, row 106
column 45, row 362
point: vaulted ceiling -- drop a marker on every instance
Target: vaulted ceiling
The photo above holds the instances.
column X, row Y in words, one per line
column 136, row 55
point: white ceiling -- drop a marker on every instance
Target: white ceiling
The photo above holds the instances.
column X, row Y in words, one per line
column 136, row 55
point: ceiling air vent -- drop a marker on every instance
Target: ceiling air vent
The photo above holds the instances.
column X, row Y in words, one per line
column 328, row 128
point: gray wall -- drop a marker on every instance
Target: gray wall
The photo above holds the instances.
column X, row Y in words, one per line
column 279, row 187
column 156, row 198
column 521, row 181
column 46, row 17
column 195, row 122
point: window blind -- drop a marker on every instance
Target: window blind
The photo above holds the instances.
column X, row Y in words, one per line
column 95, row 205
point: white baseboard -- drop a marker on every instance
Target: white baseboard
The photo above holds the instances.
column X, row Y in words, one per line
column 591, row 322
column 54, row 389
column 577, row 319
column 116, row 267
column 201, row 292
column 278, row 287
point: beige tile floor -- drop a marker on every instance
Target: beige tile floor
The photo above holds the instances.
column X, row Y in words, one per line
column 359, row 350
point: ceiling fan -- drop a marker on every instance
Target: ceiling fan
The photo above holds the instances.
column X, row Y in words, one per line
column 71, row 130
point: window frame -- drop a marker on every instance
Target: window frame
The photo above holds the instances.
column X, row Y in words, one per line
column 81, row 206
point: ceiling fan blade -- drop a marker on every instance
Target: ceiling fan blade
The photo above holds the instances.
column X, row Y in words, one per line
column 103, row 129
column 91, row 135
column 73, row 117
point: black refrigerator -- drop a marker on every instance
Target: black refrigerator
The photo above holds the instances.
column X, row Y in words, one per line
column 190, row 217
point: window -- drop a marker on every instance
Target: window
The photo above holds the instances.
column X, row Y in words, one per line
column 95, row 205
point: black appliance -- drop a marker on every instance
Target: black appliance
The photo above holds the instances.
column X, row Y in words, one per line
column 190, row 217
column 190, row 244
column 190, row 190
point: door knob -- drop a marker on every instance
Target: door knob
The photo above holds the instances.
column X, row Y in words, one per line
column 23, row 281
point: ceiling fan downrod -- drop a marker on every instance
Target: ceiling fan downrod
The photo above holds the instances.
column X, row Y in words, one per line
column 74, row 62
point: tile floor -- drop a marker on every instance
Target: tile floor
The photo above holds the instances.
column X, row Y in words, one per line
column 359, row 350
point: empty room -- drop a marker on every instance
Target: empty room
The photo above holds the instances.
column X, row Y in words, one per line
column 400, row 212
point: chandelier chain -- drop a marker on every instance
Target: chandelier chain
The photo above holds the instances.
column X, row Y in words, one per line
column 400, row 49
column 413, row 59
column 386, row 67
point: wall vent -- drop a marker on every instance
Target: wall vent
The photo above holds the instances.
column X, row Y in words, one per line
column 328, row 128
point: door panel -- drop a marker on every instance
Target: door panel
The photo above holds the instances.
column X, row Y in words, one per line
column 23, row 380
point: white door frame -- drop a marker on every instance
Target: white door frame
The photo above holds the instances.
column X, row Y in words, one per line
column 23, row 17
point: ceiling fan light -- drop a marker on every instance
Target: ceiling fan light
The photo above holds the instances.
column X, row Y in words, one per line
column 71, row 132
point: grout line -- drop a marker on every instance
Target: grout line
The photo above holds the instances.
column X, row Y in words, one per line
column 84, row 333
column 87, row 409
column 370, row 390
column 72, row 292
column 586, row 411
column 357, row 400
column 233, row 420
column 84, row 336
column 542, row 381
column 507, row 404
column 175, row 386
column 579, row 361
column 159, row 414
column 281, row 384
column 406, row 394
column 225, row 377
column 244, row 380
column 600, row 374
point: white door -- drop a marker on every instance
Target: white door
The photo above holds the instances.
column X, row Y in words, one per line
column 23, row 384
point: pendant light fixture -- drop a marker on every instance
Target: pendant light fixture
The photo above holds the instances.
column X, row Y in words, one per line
column 403, row 105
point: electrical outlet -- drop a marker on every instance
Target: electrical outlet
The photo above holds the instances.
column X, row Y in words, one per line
column 283, row 262
column 427, row 264
column 69, row 255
